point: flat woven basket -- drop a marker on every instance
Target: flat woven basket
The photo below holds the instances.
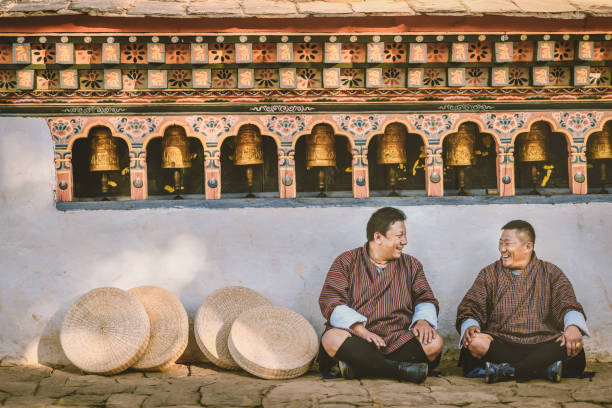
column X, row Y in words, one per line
column 272, row 342
column 105, row 331
column 169, row 327
column 214, row 319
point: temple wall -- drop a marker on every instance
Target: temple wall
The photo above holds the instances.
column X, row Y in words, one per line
column 48, row 258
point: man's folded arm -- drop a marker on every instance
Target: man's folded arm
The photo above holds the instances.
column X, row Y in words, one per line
column 425, row 311
column 469, row 322
column 576, row 318
column 343, row 317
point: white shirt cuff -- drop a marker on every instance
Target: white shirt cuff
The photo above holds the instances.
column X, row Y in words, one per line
column 343, row 317
column 467, row 323
column 425, row 311
column 575, row 318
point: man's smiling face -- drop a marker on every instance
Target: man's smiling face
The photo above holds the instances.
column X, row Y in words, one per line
column 515, row 249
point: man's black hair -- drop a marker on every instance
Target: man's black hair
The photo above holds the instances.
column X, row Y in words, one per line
column 382, row 219
column 521, row 226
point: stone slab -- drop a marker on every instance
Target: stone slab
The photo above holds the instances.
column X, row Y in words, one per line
column 29, row 401
column 124, row 400
column 214, row 7
column 268, row 7
column 157, row 8
column 386, row 7
column 97, row 7
column 324, row 7
column 38, row 5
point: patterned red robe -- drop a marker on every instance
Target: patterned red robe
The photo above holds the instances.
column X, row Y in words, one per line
column 525, row 309
column 387, row 299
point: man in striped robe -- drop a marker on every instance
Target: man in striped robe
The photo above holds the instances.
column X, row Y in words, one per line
column 520, row 319
column 381, row 313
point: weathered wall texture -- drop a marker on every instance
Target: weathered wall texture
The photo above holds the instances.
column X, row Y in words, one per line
column 49, row 258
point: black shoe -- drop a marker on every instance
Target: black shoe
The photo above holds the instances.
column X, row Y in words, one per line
column 346, row 371
column 413, row 372
column 498, row 372
column 554, row 371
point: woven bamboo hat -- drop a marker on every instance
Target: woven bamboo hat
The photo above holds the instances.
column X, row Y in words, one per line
column 273, row 342
column 214, row 319
column 169, row 327
column 105, row 331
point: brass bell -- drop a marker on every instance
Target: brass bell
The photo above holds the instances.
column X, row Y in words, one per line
column 460, row 150
column 103, row 150
column 320, row 152
column 175, row 149
column 600, row 149
column 249, row 152
column 534, row 146
column 392, row 151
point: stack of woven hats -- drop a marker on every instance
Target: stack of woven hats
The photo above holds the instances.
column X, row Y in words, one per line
column 108, row 330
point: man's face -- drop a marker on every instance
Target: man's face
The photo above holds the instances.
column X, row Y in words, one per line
column 515, row 249
column 391, row 244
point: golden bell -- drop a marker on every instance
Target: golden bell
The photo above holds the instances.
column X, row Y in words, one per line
column 600, row 144
column 460, row 150
column 249, row 148
column 320, row 147
column 392, row 148
column 103, row 150
column 534, row 146
column 175, row 149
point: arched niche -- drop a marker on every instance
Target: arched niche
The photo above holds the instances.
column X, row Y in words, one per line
column 87, row 183
column 338, row 179
column 161, row 180
column 480, row 178
column 410, row 176
column 599, row 168
column 234, row 178
column 551, row 175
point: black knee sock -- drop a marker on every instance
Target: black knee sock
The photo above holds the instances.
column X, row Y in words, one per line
column 496, row 353
column 365, row 358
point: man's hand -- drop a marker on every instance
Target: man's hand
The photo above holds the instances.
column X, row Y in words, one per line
column 571, row 338
column 424, row 332
column 469, row 335
column 365, row 334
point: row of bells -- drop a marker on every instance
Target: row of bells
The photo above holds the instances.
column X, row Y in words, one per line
column 320, row 147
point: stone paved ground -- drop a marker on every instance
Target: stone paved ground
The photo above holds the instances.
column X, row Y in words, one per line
column 205, row 385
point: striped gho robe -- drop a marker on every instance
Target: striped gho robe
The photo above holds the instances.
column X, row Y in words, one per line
column 525, row 309
column 386, row 298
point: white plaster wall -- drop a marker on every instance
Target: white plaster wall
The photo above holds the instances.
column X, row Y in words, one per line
column 49, row 258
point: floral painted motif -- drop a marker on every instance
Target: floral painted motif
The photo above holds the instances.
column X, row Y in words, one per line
column 479, row 51
column 522, row 51
column 47, row 79
column 433, row 125
column 434, row 77
column 579, row 123
column 224, row 78
column 309, row 78
column 91, row 79
column 264, row 52
column 476, row 77
column 351, row 78
column 62, row 129
column 353, row 52
column 221, row 53
column 518, row 76
column 43, row 53
column 505, row 124
column 133, row 53
column 179, row 78
column 5, row 54
column 395, row 52
column 394, row 77
column 8, row 80
column 437, row 52
column 136, row 128
column 86, row 54
column 266, row 78
column 308, row 52
column 287, row 126
column 564, row 50
column 560, row 76
column 134, row 79
column 178, row 54
column 602, row 50
column 212, row 127
column 600, row 76
column 359, row 125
